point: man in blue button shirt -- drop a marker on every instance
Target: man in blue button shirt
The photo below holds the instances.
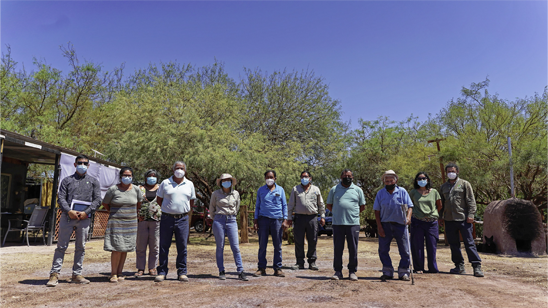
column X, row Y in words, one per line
column 346, row 201
column 270, row 218
column 392, row 223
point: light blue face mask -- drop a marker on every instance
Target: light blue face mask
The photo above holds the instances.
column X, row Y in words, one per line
column 127, row 180
column 227, row 184
column 81, row 169
column 151, row 180
column 422, row 183
column 305, row 181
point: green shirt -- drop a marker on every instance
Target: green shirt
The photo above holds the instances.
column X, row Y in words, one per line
column 458, row 200
column 425, row 206
column 346, row 204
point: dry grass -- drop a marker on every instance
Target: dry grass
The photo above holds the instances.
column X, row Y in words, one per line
column 509, row 281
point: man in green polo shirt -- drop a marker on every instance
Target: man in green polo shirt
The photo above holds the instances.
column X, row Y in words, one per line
column 346, row 201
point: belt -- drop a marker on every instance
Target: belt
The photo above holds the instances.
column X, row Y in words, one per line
column 176, row 216
column 426, row 219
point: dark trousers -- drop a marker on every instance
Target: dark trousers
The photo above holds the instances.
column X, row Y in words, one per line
column 273, row 227
column 351, row 234
column 452, row 229
column 305, row 225
column 421, row 231
column 399, row 233
column 168, row 226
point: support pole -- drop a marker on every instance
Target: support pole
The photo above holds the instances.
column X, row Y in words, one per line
column 511, row 168
column 53, row 218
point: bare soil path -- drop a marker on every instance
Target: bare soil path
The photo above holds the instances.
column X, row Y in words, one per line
column 509, row 281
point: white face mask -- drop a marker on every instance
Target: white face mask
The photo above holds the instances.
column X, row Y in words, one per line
column 452, row 175
column 269, row 182
column 179, row 173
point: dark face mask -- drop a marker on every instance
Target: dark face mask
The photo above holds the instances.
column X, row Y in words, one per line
column 347, row 181
column 390, row 187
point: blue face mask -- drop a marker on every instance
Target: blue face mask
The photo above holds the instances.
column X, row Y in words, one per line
column 127, row 180
column 305, row 181
column 151, row 180
column 422, row 183
column 81, row 169
column 227, row 184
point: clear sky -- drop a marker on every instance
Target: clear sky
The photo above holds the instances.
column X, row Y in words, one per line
column 379, row 58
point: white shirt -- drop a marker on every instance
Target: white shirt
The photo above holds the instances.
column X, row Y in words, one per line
column 176, row 196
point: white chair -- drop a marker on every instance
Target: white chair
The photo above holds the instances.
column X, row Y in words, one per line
column 36, row 222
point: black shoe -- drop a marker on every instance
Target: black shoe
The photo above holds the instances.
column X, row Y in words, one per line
column 477, row 271
column 222, row 275
column 242, row 277
column 297, row 267
column 459, row 269
column 386, row 277
column 313, row 266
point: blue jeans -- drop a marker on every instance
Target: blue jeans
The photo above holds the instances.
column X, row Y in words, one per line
column 399, row 232
column 352, row 235
column 168, row 226
column 273, row 227
column 452, row 229
column 421, row 231
column 226, row 225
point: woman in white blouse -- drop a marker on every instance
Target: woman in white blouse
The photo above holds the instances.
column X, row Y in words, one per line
column 223, row 207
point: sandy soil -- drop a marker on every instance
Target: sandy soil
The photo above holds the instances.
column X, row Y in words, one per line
column 509, row 281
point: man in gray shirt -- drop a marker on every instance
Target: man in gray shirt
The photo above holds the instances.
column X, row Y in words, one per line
column 81, row 187
column 306, row 202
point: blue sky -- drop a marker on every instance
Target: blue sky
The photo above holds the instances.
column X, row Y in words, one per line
column 379, row 58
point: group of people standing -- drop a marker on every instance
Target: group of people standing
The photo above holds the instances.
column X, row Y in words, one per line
column 149, row 216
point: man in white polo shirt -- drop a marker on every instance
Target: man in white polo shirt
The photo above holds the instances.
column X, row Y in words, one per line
column 176, row 196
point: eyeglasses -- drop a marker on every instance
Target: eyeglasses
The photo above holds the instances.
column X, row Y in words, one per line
column 420, row 179
column 82, row 163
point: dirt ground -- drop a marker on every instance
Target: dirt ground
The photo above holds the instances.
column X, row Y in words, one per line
column 508, row 281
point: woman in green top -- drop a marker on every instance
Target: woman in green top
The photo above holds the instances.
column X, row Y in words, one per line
column 424, row 223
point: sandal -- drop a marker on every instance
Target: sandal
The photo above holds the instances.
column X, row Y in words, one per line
column 121, row 277
column 113, row 279
column 152, row 272
column 139, row 273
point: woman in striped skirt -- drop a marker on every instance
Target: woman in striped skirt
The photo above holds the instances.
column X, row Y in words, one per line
column 123, row 202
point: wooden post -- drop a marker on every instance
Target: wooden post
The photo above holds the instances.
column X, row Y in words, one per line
column 437, row 141
column 53, row 218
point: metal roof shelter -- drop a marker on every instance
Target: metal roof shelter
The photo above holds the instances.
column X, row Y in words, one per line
column 32, row 151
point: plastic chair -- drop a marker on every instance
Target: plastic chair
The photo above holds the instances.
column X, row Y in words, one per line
column 36, row 222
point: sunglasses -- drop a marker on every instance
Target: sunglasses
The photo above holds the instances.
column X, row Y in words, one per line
column 420, row 179
column 82, row 163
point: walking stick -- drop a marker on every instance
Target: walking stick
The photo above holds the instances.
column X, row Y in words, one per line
column 404, row 209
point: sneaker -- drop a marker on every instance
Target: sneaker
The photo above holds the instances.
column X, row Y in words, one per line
column 53, row 280
column 405, row 277
column 242, row 276
column 222, row 275
column 159, row 278
column 353, row 277
column 260, row 272
column 459, row 269
column 183, row 278
column 113, row 279
column 338, row 275
column 386, row 277
column 477, row 271
column 313, row 266
column 297, row 267
column 279, row 273
column 79, row 279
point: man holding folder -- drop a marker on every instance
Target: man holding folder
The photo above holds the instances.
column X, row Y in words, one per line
column 79, row 196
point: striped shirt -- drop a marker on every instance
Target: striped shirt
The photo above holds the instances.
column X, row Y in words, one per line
column 83, row 188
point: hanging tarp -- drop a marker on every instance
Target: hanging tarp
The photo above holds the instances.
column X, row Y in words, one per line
column 106, row 175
